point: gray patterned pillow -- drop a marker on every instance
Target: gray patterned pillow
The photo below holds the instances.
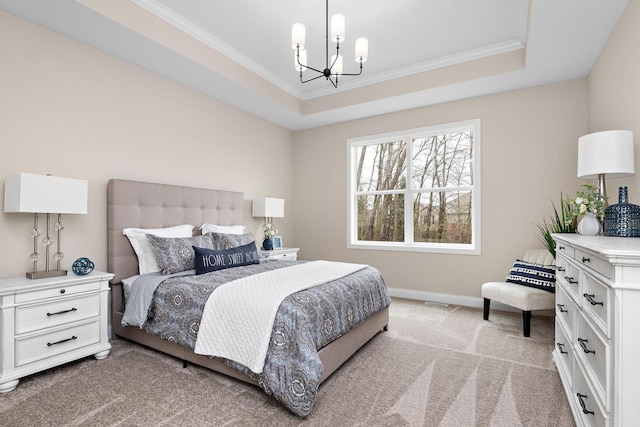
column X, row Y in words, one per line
column 175, row 254
column 223, row 241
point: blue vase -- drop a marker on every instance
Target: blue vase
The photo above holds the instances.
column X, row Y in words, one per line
column 267, row 244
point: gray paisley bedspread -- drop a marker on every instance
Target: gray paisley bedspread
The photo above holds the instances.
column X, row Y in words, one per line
column 306, row 321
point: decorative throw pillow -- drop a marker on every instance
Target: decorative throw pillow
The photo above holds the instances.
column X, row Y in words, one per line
column 146, row 256
column 227, row 241
column 176, row 254
column 227, row 229
column 535, row 275
column 208, row 260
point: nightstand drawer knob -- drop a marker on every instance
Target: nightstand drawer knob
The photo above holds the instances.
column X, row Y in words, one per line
column 62, row 312
column 49, row 344
column 62, row 291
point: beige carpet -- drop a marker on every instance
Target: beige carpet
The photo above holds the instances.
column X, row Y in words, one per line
column 436, row 366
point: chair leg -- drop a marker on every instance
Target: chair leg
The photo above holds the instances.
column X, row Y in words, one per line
column 526, row 321
column 487, row 303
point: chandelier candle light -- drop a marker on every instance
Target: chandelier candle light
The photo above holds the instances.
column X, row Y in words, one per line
column 334, row 67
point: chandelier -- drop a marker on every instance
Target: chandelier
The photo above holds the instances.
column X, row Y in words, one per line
column 334, row 67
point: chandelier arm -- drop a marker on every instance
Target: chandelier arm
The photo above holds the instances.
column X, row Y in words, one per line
column 335, row 85
column 307, row 81
column 337, row 54
column 308, row 67
column 353, row 74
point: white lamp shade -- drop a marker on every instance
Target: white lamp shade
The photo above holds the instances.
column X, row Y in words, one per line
column 362, row 49
column 33, row 193
column 297, row 36
column 337, row 28
column 268, row 207
column 609, row 152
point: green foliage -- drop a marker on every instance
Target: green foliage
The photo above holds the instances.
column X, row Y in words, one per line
column 561, row 222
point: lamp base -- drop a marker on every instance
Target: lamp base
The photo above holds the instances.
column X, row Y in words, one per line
column 45, row 274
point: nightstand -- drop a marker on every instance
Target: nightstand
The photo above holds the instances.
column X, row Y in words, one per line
column 48, row 322
column 284, row 254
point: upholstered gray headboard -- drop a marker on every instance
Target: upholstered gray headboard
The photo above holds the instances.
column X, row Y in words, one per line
column 149, row 205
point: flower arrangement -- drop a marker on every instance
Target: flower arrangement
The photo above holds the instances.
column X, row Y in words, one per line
column 588, row 200
column 269, row 231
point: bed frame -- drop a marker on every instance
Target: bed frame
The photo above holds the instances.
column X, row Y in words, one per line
column 151, row 205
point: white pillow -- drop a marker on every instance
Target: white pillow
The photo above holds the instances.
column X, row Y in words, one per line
column 225, row 229
column 146, row 256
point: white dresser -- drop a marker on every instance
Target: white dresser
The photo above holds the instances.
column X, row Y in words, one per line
column 48, row 322
column 597, row 349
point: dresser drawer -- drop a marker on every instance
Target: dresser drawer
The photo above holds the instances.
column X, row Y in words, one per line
column 60, row 311
column 37, row 347
column 596, row 302
column 594, row 352
column 594, row 263
column 564, row 249
column 564, row 350
column 565, row 311
column 588, row 412
column 56, row 291
column 568, row 276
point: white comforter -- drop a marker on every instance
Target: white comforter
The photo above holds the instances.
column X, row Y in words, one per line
column 238, row 316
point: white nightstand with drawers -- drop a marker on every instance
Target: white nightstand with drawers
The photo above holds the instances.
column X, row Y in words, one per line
column 598, row 327
column 48, row 322
column 284, row 254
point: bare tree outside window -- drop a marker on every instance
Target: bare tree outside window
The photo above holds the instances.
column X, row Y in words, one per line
column 417, row 189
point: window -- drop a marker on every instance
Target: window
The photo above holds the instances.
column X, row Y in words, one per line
column 416, row 190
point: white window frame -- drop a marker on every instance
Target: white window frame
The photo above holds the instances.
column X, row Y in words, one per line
column 473, row 248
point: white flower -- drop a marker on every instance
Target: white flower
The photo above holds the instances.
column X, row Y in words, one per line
column 579, row 201
column 583, row 208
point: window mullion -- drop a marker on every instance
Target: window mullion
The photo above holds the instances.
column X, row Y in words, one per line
column 408, row 194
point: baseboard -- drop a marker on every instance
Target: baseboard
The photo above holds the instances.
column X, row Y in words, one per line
column 453, row 299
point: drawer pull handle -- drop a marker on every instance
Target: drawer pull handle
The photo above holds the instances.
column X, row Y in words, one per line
column 62, row 312
column 62, row 291
column 589, row 297
column 49, row 344
column 583, row 405
column 561, row 308
column 585, row 259
column 583, row 344
column 561, row 268
column 561, row 348
column 570, row 280
column 560, row 248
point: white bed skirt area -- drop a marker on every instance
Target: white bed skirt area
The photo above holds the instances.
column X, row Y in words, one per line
column 238, row 317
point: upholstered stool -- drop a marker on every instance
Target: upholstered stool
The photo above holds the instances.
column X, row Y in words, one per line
column 525, row 298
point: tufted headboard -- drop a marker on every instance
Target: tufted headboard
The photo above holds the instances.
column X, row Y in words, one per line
column 149, row 205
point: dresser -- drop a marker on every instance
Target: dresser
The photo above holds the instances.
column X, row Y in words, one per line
column 284, row 254
column 48, row 322
column 597, row 328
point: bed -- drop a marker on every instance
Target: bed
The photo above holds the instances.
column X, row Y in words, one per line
column 151, row 206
